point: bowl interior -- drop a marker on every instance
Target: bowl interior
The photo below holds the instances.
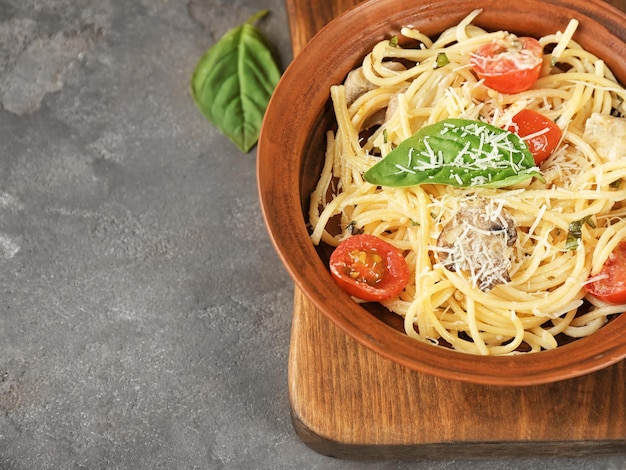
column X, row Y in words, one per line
column 291, row 152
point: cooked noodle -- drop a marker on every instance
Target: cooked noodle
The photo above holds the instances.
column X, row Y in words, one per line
column 545, row 296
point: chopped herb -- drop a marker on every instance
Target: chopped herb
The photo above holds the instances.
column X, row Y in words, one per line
column 617, row 184
column 574, row 233
column 393, row 42
column 385, row 135
column 414, row 223
column 441, row 60
column 352, row 229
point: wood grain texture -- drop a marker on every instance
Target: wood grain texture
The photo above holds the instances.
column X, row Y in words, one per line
column 308, row 17
column 349, row 402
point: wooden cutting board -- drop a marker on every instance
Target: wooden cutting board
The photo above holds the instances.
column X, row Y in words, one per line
column 349, row 402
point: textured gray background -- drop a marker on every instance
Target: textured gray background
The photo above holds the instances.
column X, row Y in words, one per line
column 144, row 318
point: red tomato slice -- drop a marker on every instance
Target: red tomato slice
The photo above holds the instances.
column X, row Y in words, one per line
column 541, row 134
column 508, row 65
column 612, row 287
column 369, row 268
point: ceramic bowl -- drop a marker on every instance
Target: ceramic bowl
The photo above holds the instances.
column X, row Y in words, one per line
column 291, row 152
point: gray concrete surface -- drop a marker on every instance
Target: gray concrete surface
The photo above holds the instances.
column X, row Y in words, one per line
column 145, row 318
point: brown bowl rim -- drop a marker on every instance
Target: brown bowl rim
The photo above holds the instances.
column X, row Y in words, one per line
column 279, row 144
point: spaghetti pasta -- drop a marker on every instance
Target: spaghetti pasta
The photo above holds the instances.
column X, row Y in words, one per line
column 544, row 296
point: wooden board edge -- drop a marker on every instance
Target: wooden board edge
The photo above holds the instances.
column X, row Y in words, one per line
column 455, row 450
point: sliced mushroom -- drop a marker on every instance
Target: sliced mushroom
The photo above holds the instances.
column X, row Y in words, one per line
column 384, row 114
column 376, row 119
column 356, row 84
column 393, row 104
column 607, row 134
column 478, row 240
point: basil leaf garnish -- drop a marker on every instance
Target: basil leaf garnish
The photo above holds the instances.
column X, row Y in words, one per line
column 234, row 80
column 457, row 152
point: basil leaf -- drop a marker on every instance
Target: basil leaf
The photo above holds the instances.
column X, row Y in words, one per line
column 233, row 82
column 456, row 152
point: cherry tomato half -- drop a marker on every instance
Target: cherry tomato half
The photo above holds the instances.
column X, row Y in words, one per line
column 369, row 268
column 508, row 65
column 612, row 287
column 540, row 133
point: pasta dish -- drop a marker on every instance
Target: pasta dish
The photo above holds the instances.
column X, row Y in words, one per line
column 503, row 242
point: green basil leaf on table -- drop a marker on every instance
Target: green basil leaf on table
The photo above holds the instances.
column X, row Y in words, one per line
column 234, row 80
column 456, row 152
